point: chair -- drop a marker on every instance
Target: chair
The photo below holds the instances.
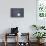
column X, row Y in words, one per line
column 7, row 35
column 25, row 36
column 14, row 32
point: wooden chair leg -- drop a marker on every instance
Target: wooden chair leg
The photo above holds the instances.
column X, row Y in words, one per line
column 5, row 39
column 5, row 43
column 17, row 40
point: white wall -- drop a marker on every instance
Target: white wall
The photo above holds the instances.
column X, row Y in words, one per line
column 24, row 24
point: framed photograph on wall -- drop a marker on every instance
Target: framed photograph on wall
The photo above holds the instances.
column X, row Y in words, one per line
column 17, row 12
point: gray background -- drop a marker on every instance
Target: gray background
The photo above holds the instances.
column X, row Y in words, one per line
column 24, row 24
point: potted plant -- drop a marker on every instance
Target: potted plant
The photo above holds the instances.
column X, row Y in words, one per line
column 42, row 27
column 38, row 27
column 35, row 26
column 39, row 35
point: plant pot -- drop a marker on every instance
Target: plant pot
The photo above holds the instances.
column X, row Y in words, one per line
column 40, row 41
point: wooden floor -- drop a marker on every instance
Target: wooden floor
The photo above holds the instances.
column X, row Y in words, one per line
column 13, row 44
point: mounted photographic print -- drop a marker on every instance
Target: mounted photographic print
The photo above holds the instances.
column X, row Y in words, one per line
column 17, row 12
